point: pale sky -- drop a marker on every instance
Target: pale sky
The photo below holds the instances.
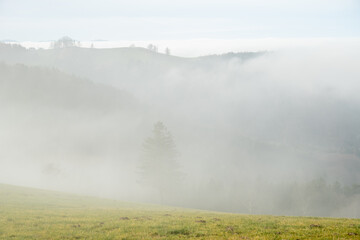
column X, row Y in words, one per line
column 140, row 20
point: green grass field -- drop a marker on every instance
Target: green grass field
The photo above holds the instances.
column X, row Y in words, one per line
column 36, row 214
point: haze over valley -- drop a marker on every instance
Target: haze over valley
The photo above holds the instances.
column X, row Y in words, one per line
column 247, row 107
column 253, row 129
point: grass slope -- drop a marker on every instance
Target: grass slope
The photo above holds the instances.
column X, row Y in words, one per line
column 36, row 214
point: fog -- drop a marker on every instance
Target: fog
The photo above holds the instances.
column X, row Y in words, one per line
column 264, row 132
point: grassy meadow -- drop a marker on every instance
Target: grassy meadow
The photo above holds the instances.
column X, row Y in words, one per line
column 37, row 214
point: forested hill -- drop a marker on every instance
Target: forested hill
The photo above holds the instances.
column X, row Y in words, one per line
column 24, row 85
column 120, row 67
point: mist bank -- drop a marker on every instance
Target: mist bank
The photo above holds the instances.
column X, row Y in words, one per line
column 264, row 133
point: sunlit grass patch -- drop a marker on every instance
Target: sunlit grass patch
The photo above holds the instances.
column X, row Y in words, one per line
column 35, row 214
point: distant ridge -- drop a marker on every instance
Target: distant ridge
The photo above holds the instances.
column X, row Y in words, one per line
column 118, row 67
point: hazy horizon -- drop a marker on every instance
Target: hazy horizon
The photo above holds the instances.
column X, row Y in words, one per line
column 203, row 47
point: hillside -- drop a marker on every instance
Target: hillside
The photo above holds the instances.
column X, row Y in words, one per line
column 120, row 67
column 38, row 214
column 253, row 137
column 55, row 125
column 52, row 88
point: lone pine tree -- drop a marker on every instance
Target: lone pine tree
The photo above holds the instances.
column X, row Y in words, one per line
column 159, row 167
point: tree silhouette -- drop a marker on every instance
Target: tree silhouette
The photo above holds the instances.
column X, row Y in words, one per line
column 159, row 166
column 65, row 42
column 152, row 47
